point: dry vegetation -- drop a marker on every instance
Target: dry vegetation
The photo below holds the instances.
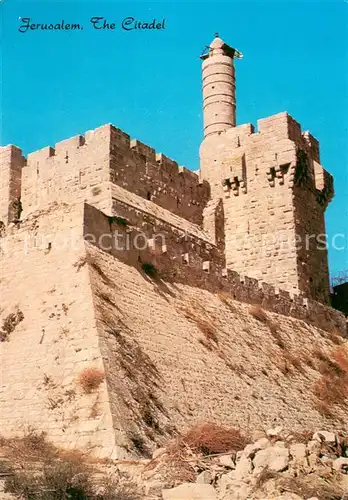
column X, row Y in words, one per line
column 198, row 444
column 90, row 379
column 302, row 437
column 36, row 470
column 258, row 313
column 314, row 486
column 149, row 269
column 332, row 387
column 9, row 324
column 265, row 476
column 340, row 355
column 204, row 324
column 287, row 361
column 210, row 438
column 227, row 299
column 80, row 262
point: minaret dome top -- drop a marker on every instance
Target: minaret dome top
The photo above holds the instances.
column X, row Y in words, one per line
column 218, row 47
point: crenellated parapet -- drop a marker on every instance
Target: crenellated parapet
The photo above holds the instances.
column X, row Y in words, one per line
column 240, row 154
column 85, row 167
column 182, row 257
column 155, row 177
column 273, row 190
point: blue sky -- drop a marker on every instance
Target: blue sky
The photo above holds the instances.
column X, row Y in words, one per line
column 59, row 84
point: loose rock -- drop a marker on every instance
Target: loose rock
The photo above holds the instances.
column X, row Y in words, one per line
column 341, row 464
column 275, row 458
column 190, row 491
column 327, row 437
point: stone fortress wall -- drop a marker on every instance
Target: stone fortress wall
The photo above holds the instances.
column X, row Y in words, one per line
column 113, row 174
column 269, row 185
column 70, row 302
column 191, row 260
column 252, row 220
column 85, row 167
column 89, row 188
column 56, row 337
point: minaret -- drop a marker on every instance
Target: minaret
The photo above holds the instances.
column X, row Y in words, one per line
column 219, row 86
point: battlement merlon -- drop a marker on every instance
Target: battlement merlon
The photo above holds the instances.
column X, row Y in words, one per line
column 11, row 164
column 283, row 126
column 100, row 138
column 236, row 152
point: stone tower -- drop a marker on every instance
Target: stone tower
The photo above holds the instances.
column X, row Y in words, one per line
column 273, row 188
column 218, row 75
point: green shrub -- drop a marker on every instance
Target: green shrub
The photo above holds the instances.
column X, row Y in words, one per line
column 149, row 269
column 119, row 220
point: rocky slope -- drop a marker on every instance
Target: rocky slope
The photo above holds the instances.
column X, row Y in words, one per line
column 279, row 465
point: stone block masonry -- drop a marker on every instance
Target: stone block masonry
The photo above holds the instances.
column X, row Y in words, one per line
column 260, row 196
column 86, row 307
column 274, row 194
column 187, row 259
column 273, row 187
column 85, row 167
column 44, row 276
column 117, row 259
column 11, row 163
column 268, row 193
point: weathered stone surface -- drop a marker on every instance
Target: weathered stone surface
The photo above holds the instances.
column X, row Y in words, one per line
column 228, row 161
column 275, row 458
column 243, row 468
column 298, row 451
column 280, row 444
column 89, row 304
column 204, row 477
column 313, row 460
column 155, row 479
column 154, row 488
column 326, row 460
column 66, row 333
column 325, row 436
column 190, row 491
column 314, row 446
column 232, row 488
column 275, row 432
column 250, row 450
column 341, row 464
column 226, row 461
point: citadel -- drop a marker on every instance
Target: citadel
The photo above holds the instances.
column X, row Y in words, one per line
column 221, row 232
